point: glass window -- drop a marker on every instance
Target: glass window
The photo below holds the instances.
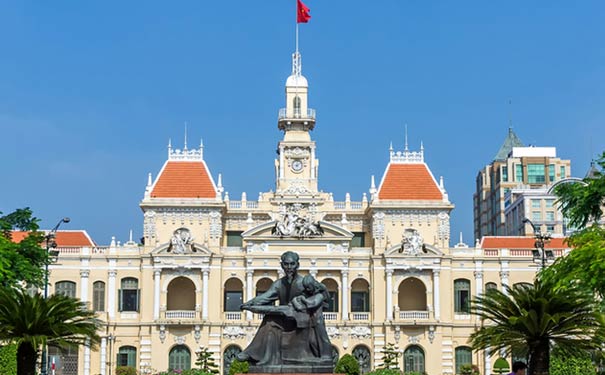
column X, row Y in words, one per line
column 333, row 303
column 535, row 174
column 66, row 288
column 463, row 357
column 562, row 172
column 536, row 216
column 362, row 354
column 535, row 203
column 519, row 172
column 550, row 228
column 548, row 203
column 504, row 173
column 179, row 358
column 462, row 293
column 491, row 285
column 98, row 296
column 129, row 294
column 360, row 302
column 127, row 356
column 234, row 238
column 229, row 355
column 233, row 299
column 358, row 239
column 413, row 359
column 550, row 216
column 551, row 173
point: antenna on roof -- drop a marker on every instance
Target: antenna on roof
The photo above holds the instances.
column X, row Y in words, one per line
column 406, row 137
column 510, row 114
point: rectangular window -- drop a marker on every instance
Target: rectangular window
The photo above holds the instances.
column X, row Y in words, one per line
column 360, row 302
column 536, row 216
column 98, row 296
column 535, row 174
column 359, row 239
column 234, row 238
column 333, row 304
column 519, row 172
column 550, row 216
column 562, row 172
column 462, row 293
column 233, row 300
column 504, row 173
column 551, row 173
column 535, row 203
column 548, row 203
column 129, row 300
column 550, row 228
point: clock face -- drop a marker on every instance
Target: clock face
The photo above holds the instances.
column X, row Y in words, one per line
column 297, row 165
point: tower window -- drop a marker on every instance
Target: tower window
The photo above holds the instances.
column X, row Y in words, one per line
column 297, row 106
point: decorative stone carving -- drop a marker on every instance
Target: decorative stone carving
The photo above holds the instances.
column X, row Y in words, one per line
column 360, row 332
column 397, row 333
column 444, row 226
column 162, row 333
column 197, row 334
column 478, row 274
column 413, row 243
column 431, row 334
column 257, row 248
column 294, row 225
column 180, row 340
column 216, row 227
column 181, row 242
column 297, row 152
column 338, row 248
column 378, row 225
column 333, row 332
column 149, row 223
column 296, row 187
column 413, row 339
column 504, row 274
column 233, row 332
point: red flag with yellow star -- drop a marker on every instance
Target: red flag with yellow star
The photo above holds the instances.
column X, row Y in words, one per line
column 302, row 12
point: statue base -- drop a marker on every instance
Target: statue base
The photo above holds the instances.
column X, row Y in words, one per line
column 292, row 369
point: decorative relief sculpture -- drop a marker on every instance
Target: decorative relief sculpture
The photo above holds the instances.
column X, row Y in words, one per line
column 360, row 332
column 412, row 243
column 378, row 225
column 233, row 332
column 293, row 225
column 292, row 337
column 181, row 242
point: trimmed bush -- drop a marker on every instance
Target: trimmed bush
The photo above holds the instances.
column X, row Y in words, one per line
column 347, row 365
column 238, row 367
column 124, row 370
column 8, row 359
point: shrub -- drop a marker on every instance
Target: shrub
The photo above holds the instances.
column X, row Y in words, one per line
column 8, row 359
column 124, row 370
column 238, row 367
column 347, row 365
column 388, row 371
column 561, row 364
column 469, row 370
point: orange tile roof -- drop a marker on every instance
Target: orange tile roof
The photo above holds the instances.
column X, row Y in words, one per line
column 520, row 243
column 70, row 238
column 409, row 182
column 184, row 179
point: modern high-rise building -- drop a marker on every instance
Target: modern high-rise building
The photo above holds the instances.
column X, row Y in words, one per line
column 385, row 259
column 514, row 167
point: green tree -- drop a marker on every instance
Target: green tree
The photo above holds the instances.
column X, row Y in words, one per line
column 205, row 361
column 347, row 364
column 390, row 357
column 23, row 261
column 33, row 321
column 8, row 359
column 536, row 317
column 562, row 364
column 238, row 367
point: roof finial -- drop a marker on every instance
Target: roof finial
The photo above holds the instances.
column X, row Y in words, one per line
column 149, row 179
column 169, row 143
column 421, row 146
column 510, row 114
column 406, row 138
column 202, row 148
column 185, row 145
column 130, row 237
column 391, row 147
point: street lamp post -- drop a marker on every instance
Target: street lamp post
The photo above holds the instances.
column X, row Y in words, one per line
column 50, row 244
column 540, row 254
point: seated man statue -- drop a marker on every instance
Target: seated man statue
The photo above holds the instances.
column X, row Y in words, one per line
column 292, row 336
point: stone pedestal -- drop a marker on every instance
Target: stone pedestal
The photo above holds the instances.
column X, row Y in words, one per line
column 318, row 368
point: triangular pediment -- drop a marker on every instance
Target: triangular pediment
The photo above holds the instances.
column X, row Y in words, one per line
column 425, row 251
column 322, row 230
column 195, row 249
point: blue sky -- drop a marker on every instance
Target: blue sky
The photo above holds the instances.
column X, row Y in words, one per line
column 91, row 92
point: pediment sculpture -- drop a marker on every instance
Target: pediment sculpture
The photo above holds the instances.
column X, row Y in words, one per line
column 294, row 225
column 412, row 243
column 181, row 242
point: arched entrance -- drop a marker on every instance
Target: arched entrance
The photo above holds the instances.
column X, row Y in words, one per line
column 181, row 295
column 179, row 358
column 228, row 356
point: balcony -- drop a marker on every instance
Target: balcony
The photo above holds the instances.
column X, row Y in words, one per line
column 413, row 315
column 296, row 114
column 359, row 316
column 330, row 316
column 233, row 315
column 180, row 314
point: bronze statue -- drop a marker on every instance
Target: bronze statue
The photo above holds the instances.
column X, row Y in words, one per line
column 292, row 337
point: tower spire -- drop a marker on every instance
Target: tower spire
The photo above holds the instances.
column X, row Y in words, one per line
column 406, row 138
column 185, row 143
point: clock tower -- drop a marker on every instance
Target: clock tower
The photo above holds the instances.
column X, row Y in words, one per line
column 296, row 166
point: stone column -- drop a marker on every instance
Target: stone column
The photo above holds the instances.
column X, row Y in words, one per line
column 504, row 279
column 84, row 285
column 345, row 294
column 111, row 294
column 488, row 362
column 478, row 282
column 156, row 293
column 436, row 296
column 103, row 355
column 249, row 282
column 87, row 358
column 389, row 307
column 205, row 273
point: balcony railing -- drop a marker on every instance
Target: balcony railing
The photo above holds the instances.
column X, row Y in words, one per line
column 360, row 316
column 233, row 315
column 413, row 315
column 243, row 204
column 296, row 114
column 331, row 316
column 180, row 314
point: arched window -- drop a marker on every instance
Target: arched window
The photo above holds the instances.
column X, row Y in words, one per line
column 181, row 295
column 462, row 294
column 234, row 295
column 523, row 285
column 127, row 356
column 129, row 294
column 332, row 287
column 98, row 296
column 362, row 354
column 360, row 296
column 413, row 359
column 412, row 295
column 490, row 285
column 463, row 357
column 263, row 285
column 66, row 288
column 228, row 356
column 179, row 358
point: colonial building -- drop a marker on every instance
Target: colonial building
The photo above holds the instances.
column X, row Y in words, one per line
column 522, row 169
column 385, row 260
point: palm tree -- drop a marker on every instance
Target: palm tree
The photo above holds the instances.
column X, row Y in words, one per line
column 538, row 317
column 31, row 321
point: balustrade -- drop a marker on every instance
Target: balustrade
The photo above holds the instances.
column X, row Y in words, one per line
column 413, row 315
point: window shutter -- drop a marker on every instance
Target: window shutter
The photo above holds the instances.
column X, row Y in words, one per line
column 119, row 299
column 138, row 299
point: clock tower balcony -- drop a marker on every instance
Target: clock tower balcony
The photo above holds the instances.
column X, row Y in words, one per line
column 288, row 117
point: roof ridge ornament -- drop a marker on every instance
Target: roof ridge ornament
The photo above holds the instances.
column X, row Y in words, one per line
column 407, row 156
